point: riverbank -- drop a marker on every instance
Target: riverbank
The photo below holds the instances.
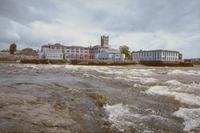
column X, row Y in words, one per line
column 168, row 64
column 100, row 63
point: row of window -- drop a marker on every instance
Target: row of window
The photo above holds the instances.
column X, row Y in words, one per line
column 68, row 51
column 54, row 56
column 77, row 49
column 72, row 55
column 158, row 54
column 158, row 58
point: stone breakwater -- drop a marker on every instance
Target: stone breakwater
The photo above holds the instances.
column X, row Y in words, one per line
column 67, row 98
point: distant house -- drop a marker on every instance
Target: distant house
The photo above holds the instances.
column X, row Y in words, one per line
column 110, row 55
column 156, row 55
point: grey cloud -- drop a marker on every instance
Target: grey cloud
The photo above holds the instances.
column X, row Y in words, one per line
column 68, row 20
column 25, row 11
column 156, row 15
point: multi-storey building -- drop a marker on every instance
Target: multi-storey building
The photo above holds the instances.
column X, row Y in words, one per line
column 156, row 55
column 110, row 55
column 52, row 52
column 58, row 51
column 76, row 52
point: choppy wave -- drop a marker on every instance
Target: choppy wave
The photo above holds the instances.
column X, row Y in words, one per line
column 161, row 82
column 184, row 72
column 142, row 72
column 191, row 118
column 118, row 115
column 122, row 118
column 186, row 98
column 192, row 88
column 141, row 80
column 173, row 82
column 184, row 93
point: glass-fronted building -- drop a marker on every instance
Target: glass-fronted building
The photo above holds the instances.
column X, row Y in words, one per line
column 156, row 55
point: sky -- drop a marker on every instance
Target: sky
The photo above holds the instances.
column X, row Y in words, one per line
column 140, row 24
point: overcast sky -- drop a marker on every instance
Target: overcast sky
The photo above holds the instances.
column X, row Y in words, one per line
column 140, row 24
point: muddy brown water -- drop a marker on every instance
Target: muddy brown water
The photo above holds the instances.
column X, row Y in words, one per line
column 67, row 98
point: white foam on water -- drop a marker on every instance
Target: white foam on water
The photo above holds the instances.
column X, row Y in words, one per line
column 109, row 71
column 121, row 117
column 192, row 88
column 148, row 80
column 147, row 131
column 117, row 115
column 191, row 118
column 138, row 85
column 142, row 80
column 190, row 99
column 87, row 75
column 178, row 72
column 25, row 66
column 173, row 82
column 141, row 72
column 186, row 72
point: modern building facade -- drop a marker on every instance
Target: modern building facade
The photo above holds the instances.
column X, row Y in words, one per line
column 110, row 55
column 76, row 52
column 51, row 52
column 156, row 55
column 60, row 52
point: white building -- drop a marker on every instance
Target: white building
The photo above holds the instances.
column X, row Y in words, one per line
column 157, row 55
column 76, row 52
column 51, row 52
column 110, row 55
column 60, row 52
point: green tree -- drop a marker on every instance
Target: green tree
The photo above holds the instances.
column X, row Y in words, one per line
column 13, row 48
column 125, row 50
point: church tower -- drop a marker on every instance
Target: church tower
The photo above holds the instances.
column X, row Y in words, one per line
column 105, row 41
